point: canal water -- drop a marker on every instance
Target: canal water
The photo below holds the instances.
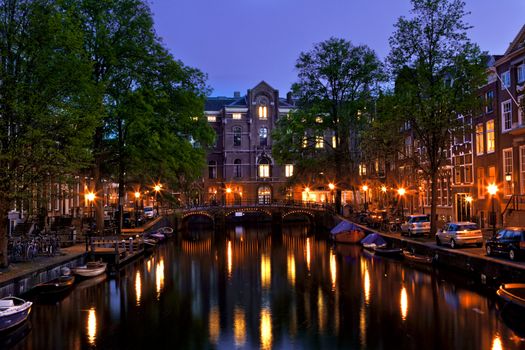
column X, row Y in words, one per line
column 249, row 289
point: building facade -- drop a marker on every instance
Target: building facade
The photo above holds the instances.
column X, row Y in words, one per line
column 241, row 168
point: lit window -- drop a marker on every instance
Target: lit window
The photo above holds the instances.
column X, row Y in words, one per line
column 521, row 73
column 506, row 115
column 263, row 112
column 492, row 175
column 288, row 170
column 334, row 141
column 491, row 144
column 236, row 116
column 212, row 118
column 480, row 145
column 505, row 80
column 264, row 168
column 362, row 169
column 481, row 183
column 319, row 141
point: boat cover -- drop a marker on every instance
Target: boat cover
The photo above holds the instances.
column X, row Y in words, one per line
column 343, row 226
column 374, row 238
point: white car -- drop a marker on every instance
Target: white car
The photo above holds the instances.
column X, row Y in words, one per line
column 460, row 233
column 416, row 225
column 149, row 212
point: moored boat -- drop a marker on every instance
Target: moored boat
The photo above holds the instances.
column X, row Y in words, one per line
column 58, row 285
column 373, row 241
column 416, row 258
column 513, row 293
column 13, row 312
column 157, row 236
column 346, row 232
column 389, row 252
column 166, row 231
column 91, row 269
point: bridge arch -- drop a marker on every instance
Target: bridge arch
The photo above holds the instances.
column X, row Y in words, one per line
column 263, row 210
column 299, row 213
column 196, row 214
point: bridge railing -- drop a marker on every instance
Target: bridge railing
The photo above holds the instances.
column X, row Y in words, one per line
column 257, row 203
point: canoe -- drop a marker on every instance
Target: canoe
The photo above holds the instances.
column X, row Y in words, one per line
column 91, row 269
column 352, row 237
column 417, row 259
column 56, row 286
column 513, row 293
column 13, row 312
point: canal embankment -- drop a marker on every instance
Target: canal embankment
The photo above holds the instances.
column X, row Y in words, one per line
column 473, row 262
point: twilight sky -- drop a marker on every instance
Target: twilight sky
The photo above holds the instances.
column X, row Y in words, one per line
column 241, row 42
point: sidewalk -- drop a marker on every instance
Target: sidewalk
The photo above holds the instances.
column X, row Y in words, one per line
column 20, row 269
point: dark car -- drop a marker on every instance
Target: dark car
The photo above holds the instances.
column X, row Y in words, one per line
column 509, row 241
column 376, row 218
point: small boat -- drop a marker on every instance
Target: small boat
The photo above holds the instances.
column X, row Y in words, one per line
column 389, row 252
column 513, row 293
column 346, row 232
column 149, row 244
column 13, row 311
column 91, row 269
column 373, row 241
column 166, row 231
column 58, row 285
column 416, row 258
column 157, row 236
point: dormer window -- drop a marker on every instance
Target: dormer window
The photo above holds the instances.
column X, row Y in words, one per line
column 263, row 112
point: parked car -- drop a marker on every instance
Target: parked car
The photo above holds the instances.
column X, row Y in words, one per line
column 149, row 212
column 509, row 241
column 376, row 218
column 459, row 234
column 417, row 224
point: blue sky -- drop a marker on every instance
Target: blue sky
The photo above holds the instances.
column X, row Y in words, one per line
column 241, row 42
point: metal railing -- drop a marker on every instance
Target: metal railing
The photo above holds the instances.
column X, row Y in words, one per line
column 515, row 203
column 263, row 203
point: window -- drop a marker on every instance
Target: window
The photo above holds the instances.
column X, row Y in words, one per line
column 492, row 175
column 505, row 80
column 264, row 168
column 237, row 132
column 288, row 170
column 237, row 168
column 212, row 118
column 522, row 169
column 263, row 112
column 468, row 174
column 237, row 116
column 506, row 115
column 212, row 169
column 491, row 144
column 481, row 182
column 362, row 169
column 319, row 141
column 334, row 141
column 521, row 73
column 264, row 195
column 507, row 169
column 521, row 100
column 408, row 146
column 457, row 175
column 490, row 101
column 263, row 136
column 480, row 145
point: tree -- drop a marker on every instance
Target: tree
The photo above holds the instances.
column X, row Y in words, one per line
column 335, row 87
column 437, row 73
column 148, row 100
column 46, row 113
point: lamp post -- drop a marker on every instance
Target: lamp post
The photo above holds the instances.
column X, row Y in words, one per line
column 331, row 186
column 137, row 196
column 401, row 191
column 228, row 191
column 157, row 190
column 508, row 179
column 468, row 200
column 383, row 190
column 365, row 189
column 90, row 196
column 492, row 189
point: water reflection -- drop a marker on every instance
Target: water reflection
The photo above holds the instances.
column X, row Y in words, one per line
column 92, row 326
column 294, row 292
column 266, row 328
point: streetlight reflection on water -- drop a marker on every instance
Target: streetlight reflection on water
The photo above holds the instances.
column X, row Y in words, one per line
column 159, row 277
column 266, row 271
column 403, row 303
column 229, row 257
column 92, row 326
column 266, row 328
column 333, row 268
column 138, row 287
column 239, row 327
column 291, row 268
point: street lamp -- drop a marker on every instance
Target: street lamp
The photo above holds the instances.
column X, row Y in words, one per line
column 331, row 186
column 401, row 192
column 365, row 189
column 383, row 190
column 492, row 189
column 137, row 196
column 90, row 196
column 468, row 200
column 157, row 189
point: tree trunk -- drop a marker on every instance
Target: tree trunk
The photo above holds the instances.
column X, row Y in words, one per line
column 433, row 203
column 4, row 224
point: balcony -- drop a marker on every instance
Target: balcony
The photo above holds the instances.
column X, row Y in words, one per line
column 517, row 129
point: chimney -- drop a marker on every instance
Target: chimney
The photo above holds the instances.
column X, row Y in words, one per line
column 289, row 98
column 237, row 94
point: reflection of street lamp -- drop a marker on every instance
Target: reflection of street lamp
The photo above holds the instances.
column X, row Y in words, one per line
column 492, row 189
column 468, row 200
column 157, row 190
column 401, row 192
column 90, row 196
column 365, row 189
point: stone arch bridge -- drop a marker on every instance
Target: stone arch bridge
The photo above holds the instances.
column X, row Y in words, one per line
column 317, row 215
